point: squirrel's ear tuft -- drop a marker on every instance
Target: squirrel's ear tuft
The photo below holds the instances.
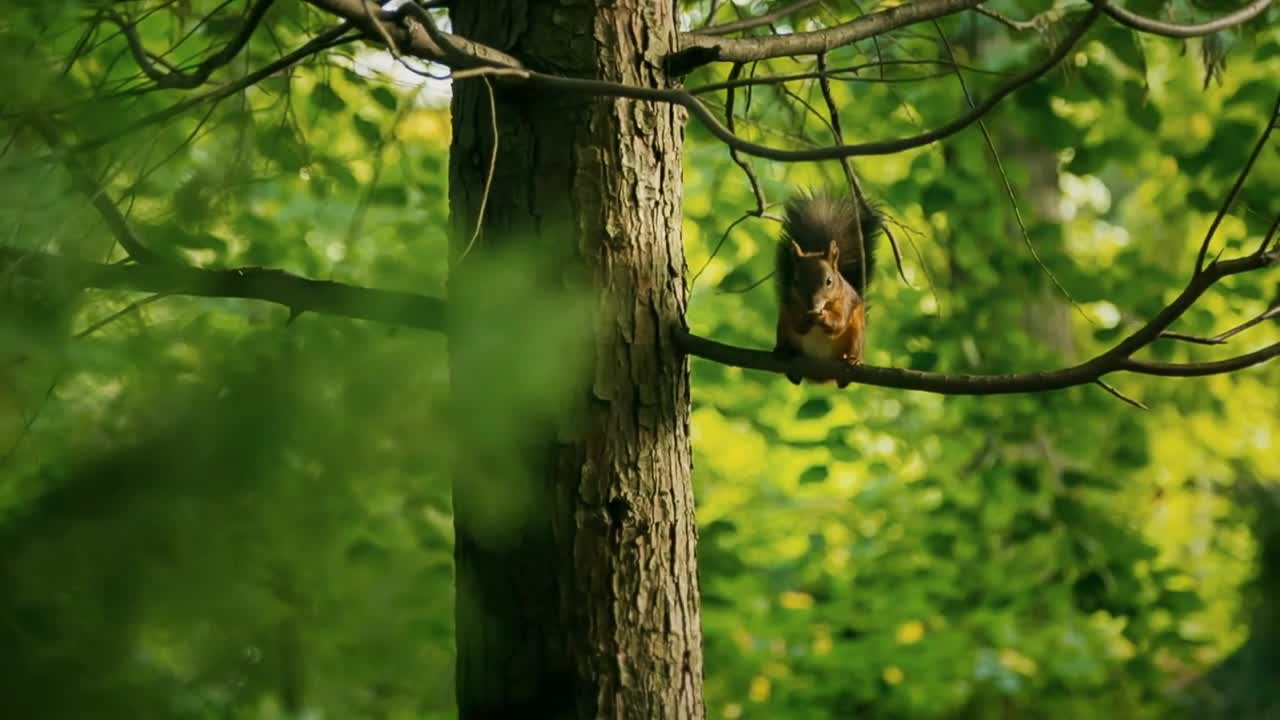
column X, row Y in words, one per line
column 833, row 252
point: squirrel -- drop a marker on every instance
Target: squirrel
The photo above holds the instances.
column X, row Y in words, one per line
column 824, row 263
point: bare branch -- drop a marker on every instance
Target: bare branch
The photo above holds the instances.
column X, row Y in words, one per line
column 850, row 176
column 126, row 310
column 1117, row 359
column 1239, row 184
column 884, row 147
column 175, row 78
column 1156, row 27
column 1222, row 337
column 412, row 38
column 755, row 22
column 834, row 72
column 432, row 44
column 334, row 36
column 729, row 102
column 1171, row 335
column 1112, row 389
column 1147, row 367
column 1266, row 239
column 488, row 178
column 716, row 250
column 1004, row 179
column 299, row 294
column 708, row 48
column 412, row 310
column 1037, row 22
column 83, row 182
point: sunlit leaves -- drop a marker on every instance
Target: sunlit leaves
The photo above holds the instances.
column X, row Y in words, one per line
column 1035, row 526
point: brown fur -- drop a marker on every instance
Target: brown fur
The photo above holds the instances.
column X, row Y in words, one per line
column 821, row 314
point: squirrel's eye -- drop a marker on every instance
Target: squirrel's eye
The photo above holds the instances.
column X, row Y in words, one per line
column 829, row 281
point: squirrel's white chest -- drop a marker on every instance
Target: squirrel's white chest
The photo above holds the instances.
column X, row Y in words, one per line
column 817, row 343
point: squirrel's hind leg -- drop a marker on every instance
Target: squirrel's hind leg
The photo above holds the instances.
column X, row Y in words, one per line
column 786, row 354
column 785, row 350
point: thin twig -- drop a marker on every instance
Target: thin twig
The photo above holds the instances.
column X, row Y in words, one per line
column 392, row 46
column 83, row 181
column 855, row 187
column 709, row 120
column 332, row 37
column 1171, row 335
column 1222, row 337
column 488, row 179
column 31, row 421
column 379, row 161
column 175, row 78
column 748, row 288
column 834, row 72
column 1037, row 23
column 729, row 120
column 490, row 72
column 1102, row 384
column 887, row 147
column 1271, row 234
column 1004, row 179
column 755, row 22
column 723, row 237
column 1237, row 186
column 130, row 308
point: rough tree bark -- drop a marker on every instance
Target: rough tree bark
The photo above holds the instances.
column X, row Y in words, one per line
column 589, row 607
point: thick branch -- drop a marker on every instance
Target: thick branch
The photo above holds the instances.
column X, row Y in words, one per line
column 299, row 294
column 432, row 44
column 709, row 120
column 412, row 310
column 1117, row 359
column 411, row 38
column 712, row 48
column 1156, row 27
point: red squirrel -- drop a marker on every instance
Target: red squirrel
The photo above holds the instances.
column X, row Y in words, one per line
column 824, row 264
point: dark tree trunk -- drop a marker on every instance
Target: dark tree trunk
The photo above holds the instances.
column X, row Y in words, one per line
column 584, row 603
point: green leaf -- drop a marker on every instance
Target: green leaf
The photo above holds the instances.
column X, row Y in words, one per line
column 814, row 408
column 326, row 99
column 1140, row 107
column 384, row 97
column 814, row 474
column 368, row 131
column 1126, row 45
column 280, row 145
column 924, row 360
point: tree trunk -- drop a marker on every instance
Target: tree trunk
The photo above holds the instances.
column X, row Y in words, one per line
column 577, row 591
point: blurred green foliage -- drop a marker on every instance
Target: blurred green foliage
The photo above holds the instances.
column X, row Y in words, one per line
column 207, row 510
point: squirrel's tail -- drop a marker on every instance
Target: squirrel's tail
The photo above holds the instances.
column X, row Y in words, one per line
column 814, row 219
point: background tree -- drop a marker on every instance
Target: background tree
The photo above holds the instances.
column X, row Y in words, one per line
column 239, row 510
